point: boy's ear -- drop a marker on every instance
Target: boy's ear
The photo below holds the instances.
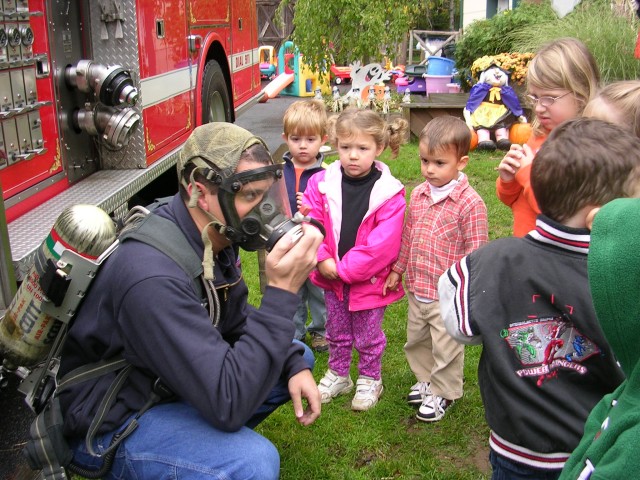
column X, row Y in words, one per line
column 324, row 138
column 462, row 162
column 591, row 215
column 284, row 136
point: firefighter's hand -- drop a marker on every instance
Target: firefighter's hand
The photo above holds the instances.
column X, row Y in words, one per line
column 303, row 386
column 289, row 263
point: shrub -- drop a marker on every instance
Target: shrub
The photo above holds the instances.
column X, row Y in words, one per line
column 494, row 36
column 610, row 36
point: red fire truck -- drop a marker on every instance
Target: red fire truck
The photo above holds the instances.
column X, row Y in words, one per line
column 98, row 96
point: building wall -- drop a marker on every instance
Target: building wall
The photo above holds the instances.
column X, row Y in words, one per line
column 481, row 9
column 473, row 10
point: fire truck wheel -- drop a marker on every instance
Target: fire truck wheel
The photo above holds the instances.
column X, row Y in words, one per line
column 215, row 96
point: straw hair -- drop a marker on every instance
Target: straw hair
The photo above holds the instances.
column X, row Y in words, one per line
column 305, row 117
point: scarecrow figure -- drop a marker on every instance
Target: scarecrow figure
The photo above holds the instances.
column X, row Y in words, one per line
column 493, row 106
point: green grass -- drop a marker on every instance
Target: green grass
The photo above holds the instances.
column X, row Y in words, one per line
column 387, row 442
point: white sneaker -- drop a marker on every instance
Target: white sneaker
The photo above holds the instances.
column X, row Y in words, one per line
column 333, row 385
column 433, row 408
column 418, row 392
column 368, row 392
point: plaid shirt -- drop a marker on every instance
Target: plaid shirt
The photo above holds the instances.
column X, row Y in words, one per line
column 436, row 235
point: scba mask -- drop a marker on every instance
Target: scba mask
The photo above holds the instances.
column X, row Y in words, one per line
column 269, row 217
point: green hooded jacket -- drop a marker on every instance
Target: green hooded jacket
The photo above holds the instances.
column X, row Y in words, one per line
column 610, row 447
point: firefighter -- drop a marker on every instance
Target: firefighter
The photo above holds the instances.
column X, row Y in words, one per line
column 225, row 364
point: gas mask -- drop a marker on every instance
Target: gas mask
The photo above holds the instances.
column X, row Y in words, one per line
column 269, row 219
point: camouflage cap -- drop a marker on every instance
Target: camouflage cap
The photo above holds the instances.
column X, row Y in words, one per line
column 216, row 144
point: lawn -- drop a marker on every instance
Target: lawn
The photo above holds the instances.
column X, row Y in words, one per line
column 387, row 442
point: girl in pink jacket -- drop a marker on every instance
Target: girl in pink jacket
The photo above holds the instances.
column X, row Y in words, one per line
column 361, row 205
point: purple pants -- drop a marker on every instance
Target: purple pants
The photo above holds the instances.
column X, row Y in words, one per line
column 362, row 330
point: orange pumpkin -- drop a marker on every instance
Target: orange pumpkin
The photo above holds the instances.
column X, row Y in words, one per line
column 520, row 133
column 474, row 139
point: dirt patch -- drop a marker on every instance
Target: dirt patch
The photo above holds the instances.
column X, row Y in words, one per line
column 478, row 455
column 365, row 458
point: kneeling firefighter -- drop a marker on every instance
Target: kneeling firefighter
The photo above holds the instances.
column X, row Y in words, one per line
column 196, row 366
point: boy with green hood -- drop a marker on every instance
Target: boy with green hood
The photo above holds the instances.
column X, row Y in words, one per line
column 610, row 447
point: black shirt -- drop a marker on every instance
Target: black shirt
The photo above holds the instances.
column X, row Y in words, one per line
column 356, row 193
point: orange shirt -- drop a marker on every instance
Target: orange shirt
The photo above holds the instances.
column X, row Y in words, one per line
column 519, row 196
column 298, row 171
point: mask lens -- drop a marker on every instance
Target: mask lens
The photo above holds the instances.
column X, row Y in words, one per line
column 255, row 206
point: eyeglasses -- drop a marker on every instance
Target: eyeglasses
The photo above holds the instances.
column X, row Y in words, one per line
column 544, row 101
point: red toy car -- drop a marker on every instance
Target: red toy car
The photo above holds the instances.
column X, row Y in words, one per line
column 340, row 74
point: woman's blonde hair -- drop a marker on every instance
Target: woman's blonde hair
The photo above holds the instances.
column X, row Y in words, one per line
column 619, row 100
column 565, row 63
column 353, row 121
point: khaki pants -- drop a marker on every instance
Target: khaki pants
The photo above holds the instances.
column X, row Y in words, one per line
column 431, row 352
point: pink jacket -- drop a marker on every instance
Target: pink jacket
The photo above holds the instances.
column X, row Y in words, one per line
column 366, row 266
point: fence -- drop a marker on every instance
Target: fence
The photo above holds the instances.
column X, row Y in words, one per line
column 424, row 42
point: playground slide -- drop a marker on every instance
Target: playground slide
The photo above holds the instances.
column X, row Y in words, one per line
column 276, row 85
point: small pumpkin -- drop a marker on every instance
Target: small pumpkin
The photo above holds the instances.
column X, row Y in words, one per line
column 474, row 139
column 520, row 133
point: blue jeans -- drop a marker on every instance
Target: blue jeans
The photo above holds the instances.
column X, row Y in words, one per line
column 173, row 441
column 311, row 296
column 505, row 469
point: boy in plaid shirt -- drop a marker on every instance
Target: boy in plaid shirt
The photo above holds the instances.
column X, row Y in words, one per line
column 446, row 220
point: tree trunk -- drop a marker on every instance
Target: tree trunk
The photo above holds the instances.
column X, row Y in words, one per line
column 402, row 50
column 428, row 16
column 452, row 15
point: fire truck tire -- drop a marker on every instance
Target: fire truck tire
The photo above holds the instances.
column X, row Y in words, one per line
column 216, row 106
